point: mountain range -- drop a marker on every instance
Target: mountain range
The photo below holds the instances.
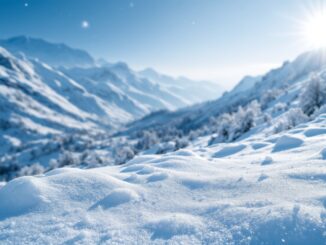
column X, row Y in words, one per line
column 49, row 88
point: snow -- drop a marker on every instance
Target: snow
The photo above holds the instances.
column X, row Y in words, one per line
column 245, row 84
column 116, row 198
column 229, row 150
column 286, row 142
column 274, row 194
column 21, row 195
column 54, row 54
column 311, row 132
column 174, row 224
column 323, row 154
column 268, row 160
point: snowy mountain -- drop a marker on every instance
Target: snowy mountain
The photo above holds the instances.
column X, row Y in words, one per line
column 112, row 92
column 281, row 85
column 53, row 54
column 42, row 103
column 119, row 78
column 198, row 91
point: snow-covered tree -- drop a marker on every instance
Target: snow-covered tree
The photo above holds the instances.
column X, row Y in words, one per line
column 147, row 140
column 290, row 119
column 224, row 127
column 31, row 170
column 124, row 154
column 244, row 119
column 268, row 97
column 313, row 96
column 181, row 143
column 321, row 110
column 232, row 126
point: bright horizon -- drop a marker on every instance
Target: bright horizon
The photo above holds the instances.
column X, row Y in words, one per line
column 188, row 38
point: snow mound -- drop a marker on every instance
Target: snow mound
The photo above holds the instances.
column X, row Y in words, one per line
column 146, row 170
column 314, row 132
column 195, row 183
column 116, row 198
column 263, row 177
column 323, row 154
column 157, row 177
column 22, row 195
column 268, row 160
column 133, row 168
column 173, row 225
column 229, row 150
column 287, row 142
column 257, row 146
column 184, row 153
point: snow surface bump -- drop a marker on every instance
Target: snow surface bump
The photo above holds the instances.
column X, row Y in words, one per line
column 229, row 150
column 175, row 224
column 315, row 132
column 115, row 198
column 287, row 142
column 323, row 154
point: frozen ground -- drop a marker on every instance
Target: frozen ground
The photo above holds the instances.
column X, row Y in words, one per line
column 257, row 191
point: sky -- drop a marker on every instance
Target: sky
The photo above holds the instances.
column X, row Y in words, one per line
column 218, row 40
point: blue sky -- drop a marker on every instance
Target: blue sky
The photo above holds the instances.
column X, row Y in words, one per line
column 221, row 40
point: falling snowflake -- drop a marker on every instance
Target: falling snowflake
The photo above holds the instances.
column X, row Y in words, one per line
column 131, row 5
column 26, row 4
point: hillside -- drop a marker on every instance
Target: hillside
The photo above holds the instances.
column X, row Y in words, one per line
column 283, row 84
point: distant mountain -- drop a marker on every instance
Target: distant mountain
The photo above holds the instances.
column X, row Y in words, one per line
column 51, row 53
column 191, row 91
column 39, row 99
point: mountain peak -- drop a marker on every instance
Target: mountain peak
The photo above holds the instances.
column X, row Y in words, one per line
column 54, row 54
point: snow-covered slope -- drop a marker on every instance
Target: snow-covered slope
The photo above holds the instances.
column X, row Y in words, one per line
column 47, row 101
column 50, row 53
column 256, row 191
column 281, row 85
column 247, row 83
column 119, row 78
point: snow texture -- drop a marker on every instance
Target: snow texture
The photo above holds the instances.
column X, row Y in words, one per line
column 188, row 197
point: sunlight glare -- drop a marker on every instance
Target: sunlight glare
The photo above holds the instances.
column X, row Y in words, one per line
column 314, row 30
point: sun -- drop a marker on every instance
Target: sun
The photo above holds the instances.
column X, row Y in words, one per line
column 314, row 29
